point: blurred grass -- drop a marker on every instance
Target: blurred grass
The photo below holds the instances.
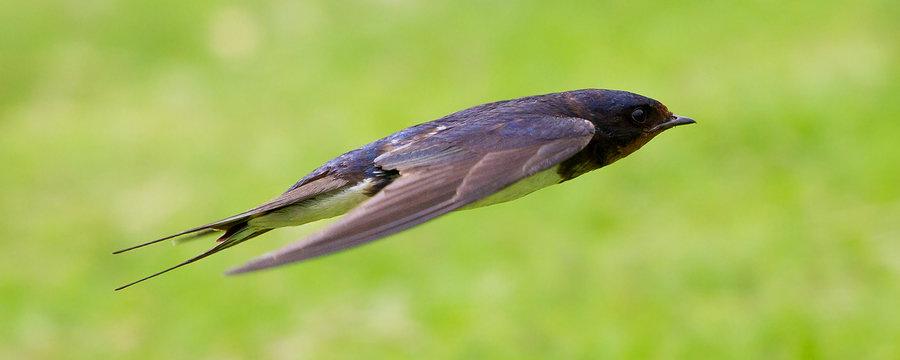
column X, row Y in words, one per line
column 769, row 230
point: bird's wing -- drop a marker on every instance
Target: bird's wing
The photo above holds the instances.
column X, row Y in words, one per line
column 440, row 174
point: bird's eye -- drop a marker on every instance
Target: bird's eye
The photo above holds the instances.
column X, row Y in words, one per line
column 638, row 116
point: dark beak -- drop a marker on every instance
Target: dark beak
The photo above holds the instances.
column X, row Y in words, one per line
column 674, row 121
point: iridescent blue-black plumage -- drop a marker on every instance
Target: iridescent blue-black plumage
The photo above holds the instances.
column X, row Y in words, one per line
column 461, row 159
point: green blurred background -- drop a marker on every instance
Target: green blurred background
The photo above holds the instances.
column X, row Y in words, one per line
column 769, row 230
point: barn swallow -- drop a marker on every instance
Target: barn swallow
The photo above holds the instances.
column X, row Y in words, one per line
column 484, row 155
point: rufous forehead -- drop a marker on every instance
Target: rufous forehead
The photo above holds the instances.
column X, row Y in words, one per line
column 663, row 109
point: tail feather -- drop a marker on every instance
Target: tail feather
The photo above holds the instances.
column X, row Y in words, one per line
column 233, row 232
column 198, row 231
column 197, row 235
column 236, row 227
column 227, row 240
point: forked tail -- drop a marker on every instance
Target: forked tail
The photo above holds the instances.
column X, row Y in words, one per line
column 233, row 236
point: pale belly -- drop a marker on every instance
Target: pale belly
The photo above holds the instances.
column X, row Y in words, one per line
column 339, row 203
column 321, row 207
column 519, row 189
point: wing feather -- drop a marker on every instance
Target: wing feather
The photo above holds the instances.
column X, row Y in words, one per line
column 436, row 178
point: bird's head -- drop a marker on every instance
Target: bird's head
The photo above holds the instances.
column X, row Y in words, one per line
column 624, row 121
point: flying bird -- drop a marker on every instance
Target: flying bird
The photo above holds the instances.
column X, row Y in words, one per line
column 484, row 155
